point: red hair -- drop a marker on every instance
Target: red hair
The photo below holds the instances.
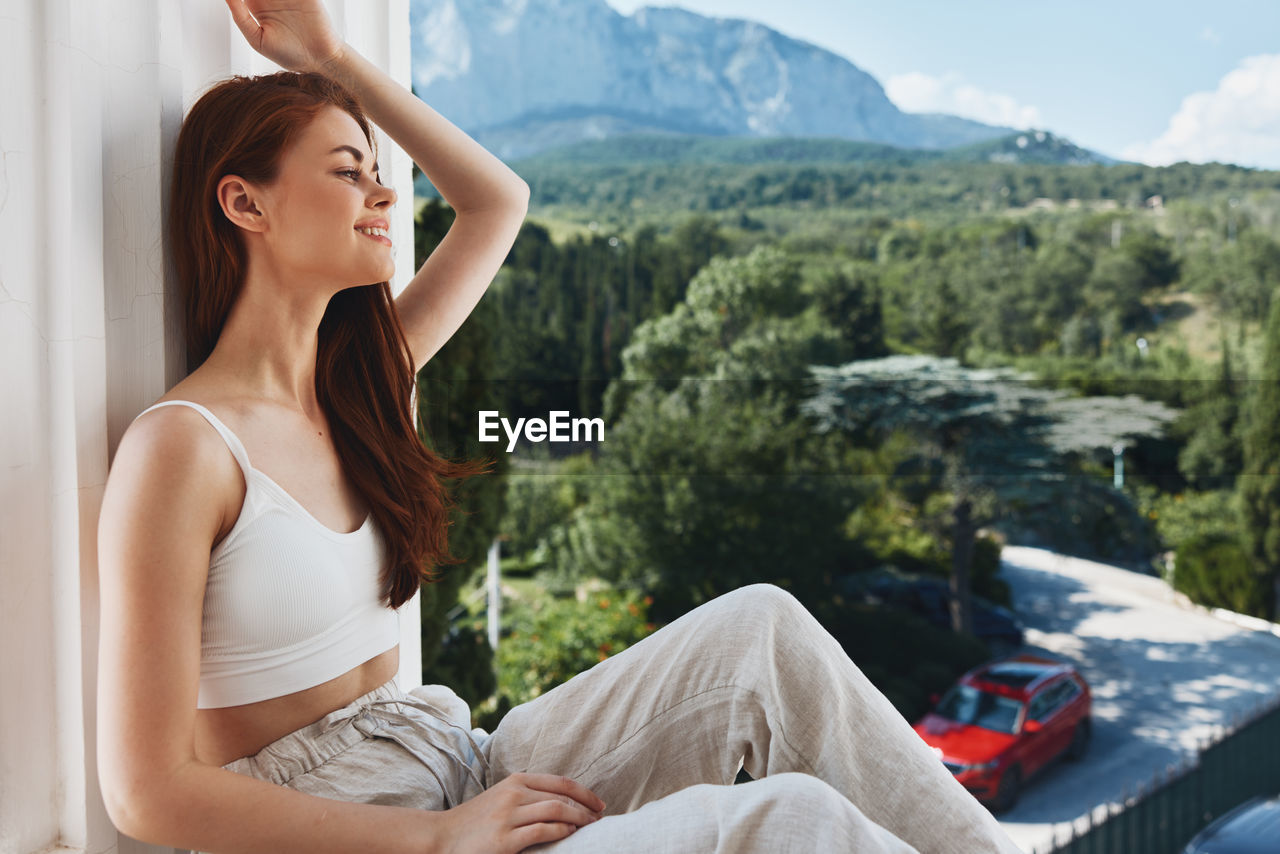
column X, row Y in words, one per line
column 364, row 370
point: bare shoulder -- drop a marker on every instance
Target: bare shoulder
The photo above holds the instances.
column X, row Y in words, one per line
column 171, row 461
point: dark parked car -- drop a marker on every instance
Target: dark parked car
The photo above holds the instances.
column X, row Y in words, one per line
column 1251, row 828
column 929, row 597
column 1003, row 722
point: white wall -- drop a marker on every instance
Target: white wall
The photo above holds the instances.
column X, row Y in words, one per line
column 95, row 92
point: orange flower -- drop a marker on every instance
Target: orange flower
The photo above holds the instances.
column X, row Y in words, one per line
column 604, row 603
column 648, row 600
column 635, row 612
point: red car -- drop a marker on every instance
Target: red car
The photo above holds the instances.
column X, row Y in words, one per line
column 1004, row 721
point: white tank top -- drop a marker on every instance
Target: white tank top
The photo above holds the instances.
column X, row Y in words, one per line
column 289, row 603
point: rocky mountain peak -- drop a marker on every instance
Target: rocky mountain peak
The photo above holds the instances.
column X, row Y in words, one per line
column 523, row 76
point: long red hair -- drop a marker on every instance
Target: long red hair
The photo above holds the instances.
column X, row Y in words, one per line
column 364, row 370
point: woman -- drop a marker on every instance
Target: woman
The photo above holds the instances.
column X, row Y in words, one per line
column 264, row 518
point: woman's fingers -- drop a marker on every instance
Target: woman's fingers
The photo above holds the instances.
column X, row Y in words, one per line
column 560, row 785
column 295, row 34
column 243, row 19
column 553, row 810
column 520, row 811
column 536, row 834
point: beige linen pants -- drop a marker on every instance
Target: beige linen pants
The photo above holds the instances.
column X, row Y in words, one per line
column 658, row 731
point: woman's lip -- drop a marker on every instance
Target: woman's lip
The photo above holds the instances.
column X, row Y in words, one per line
column 378, row 237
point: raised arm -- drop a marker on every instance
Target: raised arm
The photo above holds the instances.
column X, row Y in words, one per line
column 489, row 200
column 164, row 505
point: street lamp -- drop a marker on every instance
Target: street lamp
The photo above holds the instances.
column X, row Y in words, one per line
column 1118, row 476
column 1142, row 347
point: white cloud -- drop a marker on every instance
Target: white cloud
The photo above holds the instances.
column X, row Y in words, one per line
column 922, row 93
column 1239, row 122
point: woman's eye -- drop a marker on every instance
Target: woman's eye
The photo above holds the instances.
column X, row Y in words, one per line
column 353, row 172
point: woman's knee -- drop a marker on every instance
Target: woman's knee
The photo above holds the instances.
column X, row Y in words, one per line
column 748, row 628
column 744, row 620
column 768, row 604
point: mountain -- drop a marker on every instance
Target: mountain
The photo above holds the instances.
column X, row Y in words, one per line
column 525, row 76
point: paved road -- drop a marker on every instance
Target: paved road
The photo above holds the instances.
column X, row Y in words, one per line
column 1165, row 676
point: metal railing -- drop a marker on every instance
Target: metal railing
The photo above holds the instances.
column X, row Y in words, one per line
column 1167, row 811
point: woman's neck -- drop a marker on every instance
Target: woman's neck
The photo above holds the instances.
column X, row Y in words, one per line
column 269, row 344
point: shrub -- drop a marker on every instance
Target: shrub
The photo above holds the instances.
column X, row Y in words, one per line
column 553, row 640
column 1184, row 516
column 1213, row 569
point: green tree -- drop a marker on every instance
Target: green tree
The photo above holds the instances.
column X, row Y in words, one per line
column 709, row 480
column 945, row 331
column 1260, row 481
column 850, row 299
column 989, row 441
column 1213, row 456
column 1056, row 282
column 1154, row 257
column 1116, row 285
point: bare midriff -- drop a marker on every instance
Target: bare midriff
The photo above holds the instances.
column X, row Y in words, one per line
column 226, row 734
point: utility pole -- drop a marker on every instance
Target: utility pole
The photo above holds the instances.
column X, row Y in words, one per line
column 495, row 595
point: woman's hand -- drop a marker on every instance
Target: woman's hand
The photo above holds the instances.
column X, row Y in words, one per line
column 520, row 811
column 294, row 34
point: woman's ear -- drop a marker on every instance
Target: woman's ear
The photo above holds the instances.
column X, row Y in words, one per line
column 239, row 202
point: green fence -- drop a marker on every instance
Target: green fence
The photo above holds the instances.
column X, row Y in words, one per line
column 1165, row 813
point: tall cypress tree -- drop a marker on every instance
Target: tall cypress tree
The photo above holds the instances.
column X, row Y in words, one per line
column 1260, row 481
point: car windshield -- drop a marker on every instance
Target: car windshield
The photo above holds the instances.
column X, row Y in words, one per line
column 968, row 705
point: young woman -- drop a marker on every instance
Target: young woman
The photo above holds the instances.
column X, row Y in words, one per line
column 266, row 516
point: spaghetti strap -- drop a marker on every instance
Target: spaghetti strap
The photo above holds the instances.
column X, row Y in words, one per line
column 233, row 441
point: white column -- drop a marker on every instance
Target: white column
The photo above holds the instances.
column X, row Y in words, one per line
column 89, row 336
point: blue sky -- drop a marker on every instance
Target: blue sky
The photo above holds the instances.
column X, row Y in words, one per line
column 1155, row 81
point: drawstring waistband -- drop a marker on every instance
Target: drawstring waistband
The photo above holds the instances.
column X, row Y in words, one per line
column 374, row 709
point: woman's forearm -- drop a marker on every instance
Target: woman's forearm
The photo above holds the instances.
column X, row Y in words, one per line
column 212, row 809
column 469, row 177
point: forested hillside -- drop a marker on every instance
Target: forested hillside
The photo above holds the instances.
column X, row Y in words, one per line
column 685, row 301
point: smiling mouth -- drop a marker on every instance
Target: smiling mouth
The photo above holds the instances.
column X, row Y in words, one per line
column 379, row 237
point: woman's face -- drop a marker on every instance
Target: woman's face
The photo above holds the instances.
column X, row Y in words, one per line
column 307, row 229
